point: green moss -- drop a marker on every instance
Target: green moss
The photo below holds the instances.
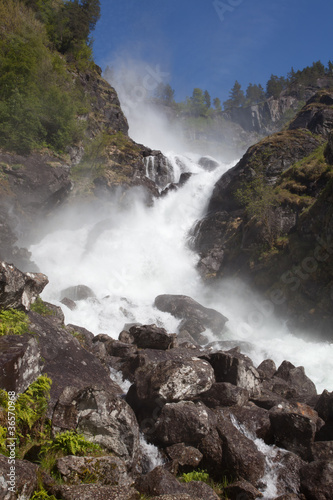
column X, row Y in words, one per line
column 41, row 308
column 13, row 322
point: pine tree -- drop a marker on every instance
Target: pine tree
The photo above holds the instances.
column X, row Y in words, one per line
column 217, row 104
column 207, row 99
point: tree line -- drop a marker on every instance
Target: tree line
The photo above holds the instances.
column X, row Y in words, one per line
column 201, row 104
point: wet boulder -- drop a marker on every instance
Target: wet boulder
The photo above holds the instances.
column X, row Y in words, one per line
column 294, row 427
column 254, row 419
column 266, row 369
column 242, row 490
column 208, row 163
column 152, row 337
column 240, row 456
column 183, row 307
column 77, row 292
column 159, row 482
column 317, row 480
column 19, row 290
column 324, row 407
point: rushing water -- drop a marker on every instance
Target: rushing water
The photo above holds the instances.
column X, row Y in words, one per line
column 130, row 253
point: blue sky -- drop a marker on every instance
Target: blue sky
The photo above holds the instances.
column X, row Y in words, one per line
column 211, row 43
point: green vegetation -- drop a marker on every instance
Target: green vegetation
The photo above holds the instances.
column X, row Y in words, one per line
column 71, row 443
column 41, row 308
column 39, row 99
column 31, row 425
column 42, row 494
column 13, row 322
column 203, row 475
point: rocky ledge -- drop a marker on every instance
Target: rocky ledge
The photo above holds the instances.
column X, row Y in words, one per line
column 205, row 407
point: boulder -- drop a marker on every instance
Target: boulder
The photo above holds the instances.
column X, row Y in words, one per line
column 184, row 458
column 208, row 163
column 240, row 456
column 242, row 490
column 324, row 407
column 194, row 422
column 103, row 418
column 78, row 292
column 256, row 420
column 294, row 427
column 19, row 478
column 267, row 368
column 322, row 450
column 20, row 362
column 287, row 467
column 317, row 480
column 104, row 470
column 174, row 380
column 159, row 482
column 194, row 328
column 184, row 307
column 304, row 387
column 19, row 290
column 65, row 360
column 236, row 369
column 224, row 394
column 152, row 337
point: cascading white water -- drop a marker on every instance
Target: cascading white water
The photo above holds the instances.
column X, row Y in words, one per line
column 129, row 255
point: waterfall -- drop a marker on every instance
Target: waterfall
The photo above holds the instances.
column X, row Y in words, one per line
column 130, row 254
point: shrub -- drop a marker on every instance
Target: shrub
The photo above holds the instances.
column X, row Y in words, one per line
column 13, row 322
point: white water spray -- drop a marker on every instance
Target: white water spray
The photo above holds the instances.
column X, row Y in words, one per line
column 130, row 255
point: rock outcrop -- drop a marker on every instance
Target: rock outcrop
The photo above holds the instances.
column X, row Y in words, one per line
column 269, row 220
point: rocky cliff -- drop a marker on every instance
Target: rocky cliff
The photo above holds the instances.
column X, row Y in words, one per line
column 34, row 185
column 270, row 220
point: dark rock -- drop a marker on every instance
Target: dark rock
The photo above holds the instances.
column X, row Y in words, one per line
column 236, row 369
column 152, row 337
column 107, row 470
column 324, row 406
column 255, row 420
column 296, row 378
column 194, row 328
column 317, row 480
column 268, row 399
column 185, row 457
column 322, row 450
column 82, row 334
column 194, row 422
column 126, row 337
column 97, row 492
column 19, row 290
column 242, row 490
column 267, row 368
column 240, row 456
column 211, row 448
column 224, row 394
column 174, row 380
column 78, row 292
column 184, row 177
column 184, row 307
column 198, row 489
column 19, row 478
column 69, row 303
column 159, row 482
column 294, row 428
column 208, row 163
column 101, row 416
column 19, row 362
column 288, row 466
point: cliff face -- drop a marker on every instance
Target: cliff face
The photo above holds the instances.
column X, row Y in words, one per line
column 35, row 184
column 270, row 220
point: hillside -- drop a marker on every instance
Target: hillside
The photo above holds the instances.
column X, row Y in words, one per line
column 269, row 220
